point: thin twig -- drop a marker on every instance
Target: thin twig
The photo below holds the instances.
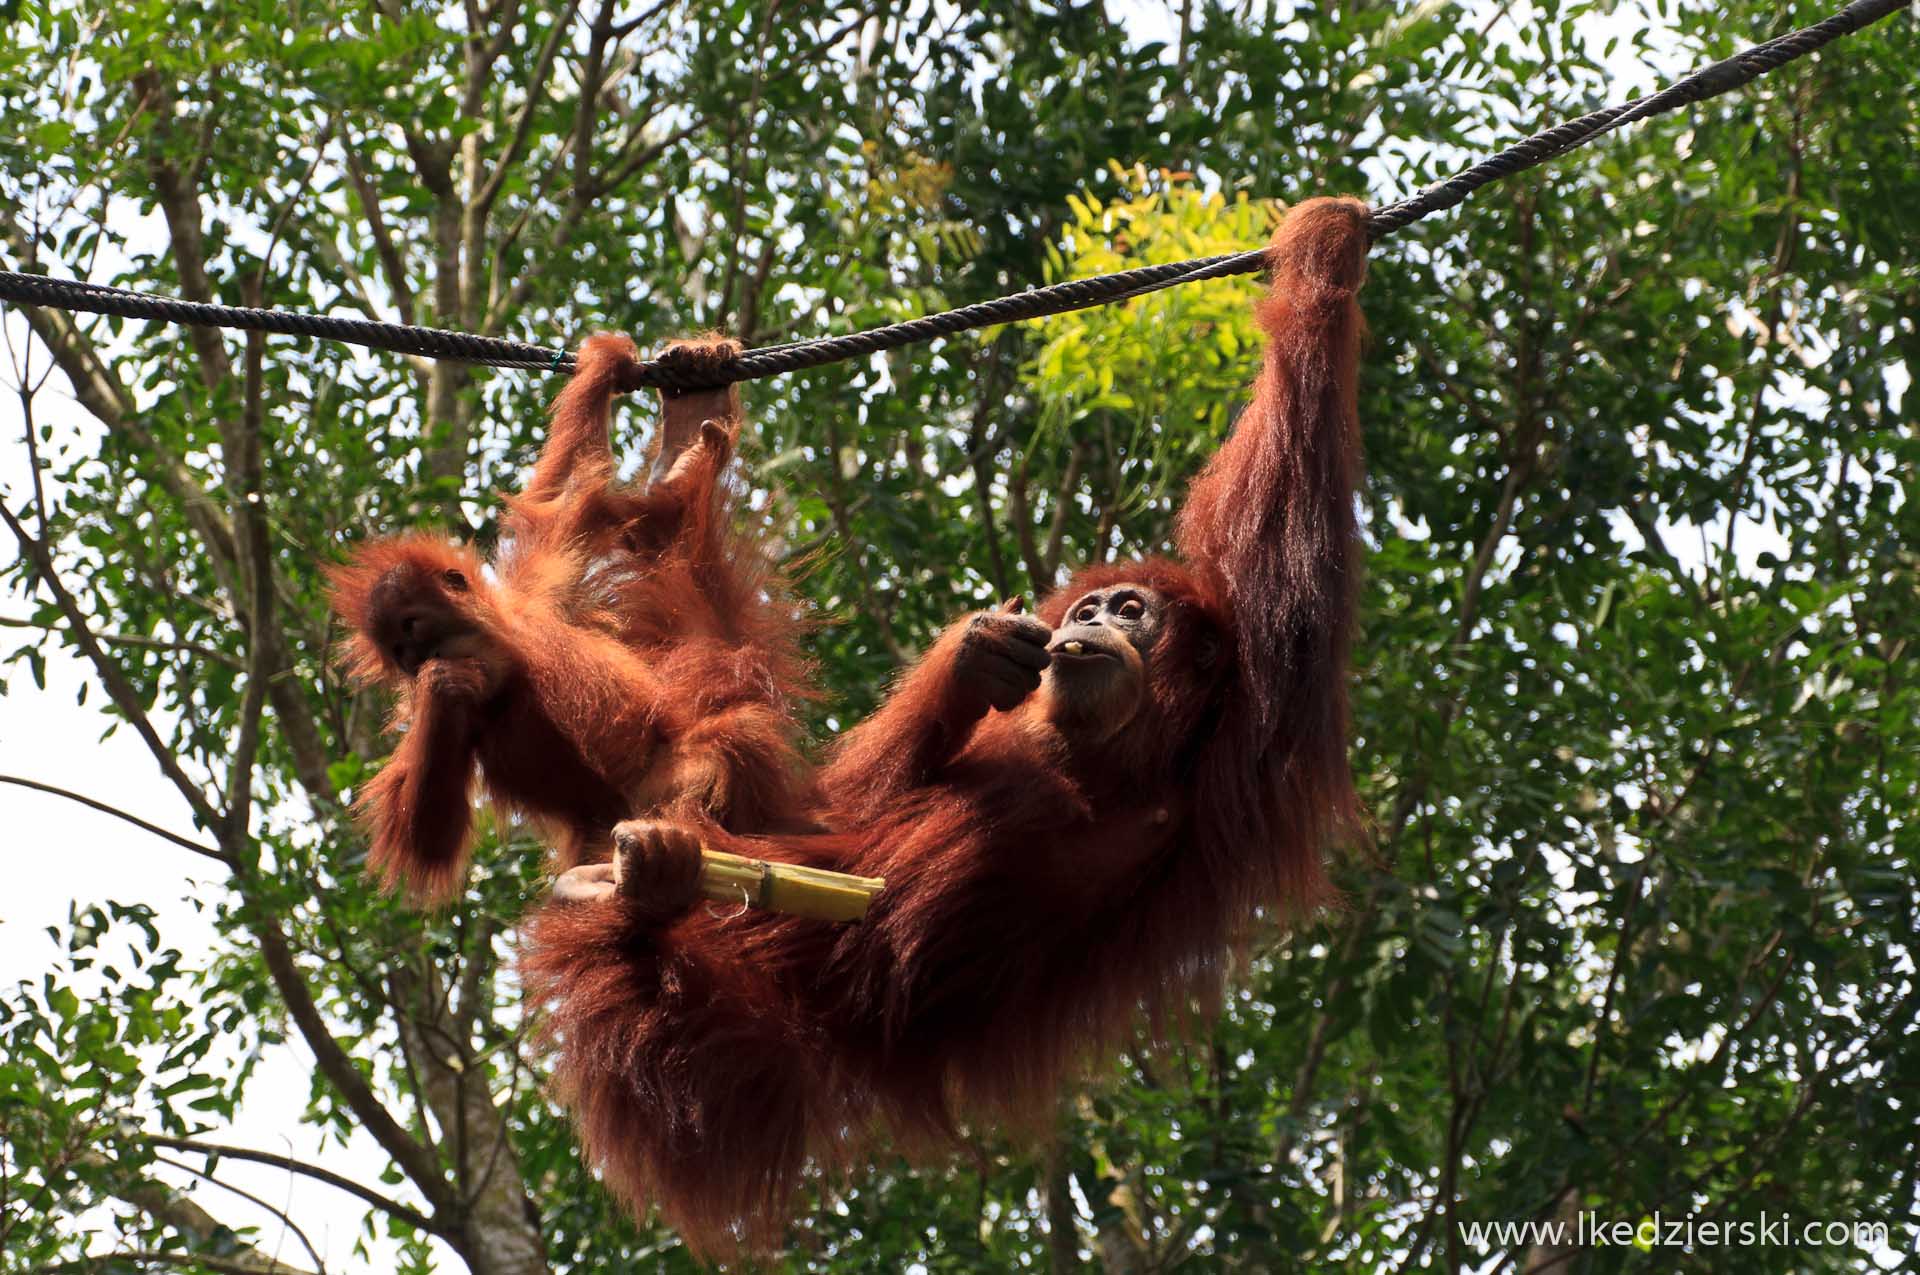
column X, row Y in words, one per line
column 19, row 781
column 386, row 1204
column 119, row 689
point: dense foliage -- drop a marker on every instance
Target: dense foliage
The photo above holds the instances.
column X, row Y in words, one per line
column 1636, row 712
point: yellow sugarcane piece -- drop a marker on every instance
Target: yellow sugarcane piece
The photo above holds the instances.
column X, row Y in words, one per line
column 786, row 887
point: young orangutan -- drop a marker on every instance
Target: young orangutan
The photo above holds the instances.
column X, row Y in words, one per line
column 626, row 653
column 1079, row 816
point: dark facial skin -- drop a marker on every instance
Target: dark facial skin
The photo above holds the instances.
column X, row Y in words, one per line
column 1099, row 671
column 416, row 616
column 1097, row 658
column 1096, row 625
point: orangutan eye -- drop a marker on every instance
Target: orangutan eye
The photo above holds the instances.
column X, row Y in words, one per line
column 455, row 580
column 1132, row 609
column 1086, row 614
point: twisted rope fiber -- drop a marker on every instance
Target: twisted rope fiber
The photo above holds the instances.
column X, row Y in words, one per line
column 96, row 298
column 1060, row 298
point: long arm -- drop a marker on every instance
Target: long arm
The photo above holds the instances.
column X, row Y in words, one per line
column 420, row 805
column 1272, row 514
column 578, row 452
column 698, row 430
column 1271, row 521
column 683, row 412
column 989, row 660
column 574, row 497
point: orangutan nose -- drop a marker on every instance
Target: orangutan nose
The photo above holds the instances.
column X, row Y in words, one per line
column 413, row 619
column 418, row 633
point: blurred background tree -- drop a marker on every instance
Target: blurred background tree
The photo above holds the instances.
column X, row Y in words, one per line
column 1636, row 715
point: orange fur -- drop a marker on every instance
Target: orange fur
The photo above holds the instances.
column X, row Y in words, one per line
column 627, row 650
column 1046, row 884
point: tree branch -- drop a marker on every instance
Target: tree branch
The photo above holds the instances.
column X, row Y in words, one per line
column 112, row 677
column 414, row 1159
column 181, row 1203
column 638, row 153
column 1062, row 503
column 386, row 1204
column 454, row 1086
column 391, row 263
column 1063, row 1229
column 244, row 483
column 183, row 842
column 537, row 82
column 135, row 639
column 112, row 404
column 179, row 202
column 122, row 1258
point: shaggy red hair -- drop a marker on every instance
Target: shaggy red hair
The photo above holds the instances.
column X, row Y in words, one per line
column 1045, row 888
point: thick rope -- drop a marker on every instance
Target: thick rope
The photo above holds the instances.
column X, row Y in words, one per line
column 1060, row 298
